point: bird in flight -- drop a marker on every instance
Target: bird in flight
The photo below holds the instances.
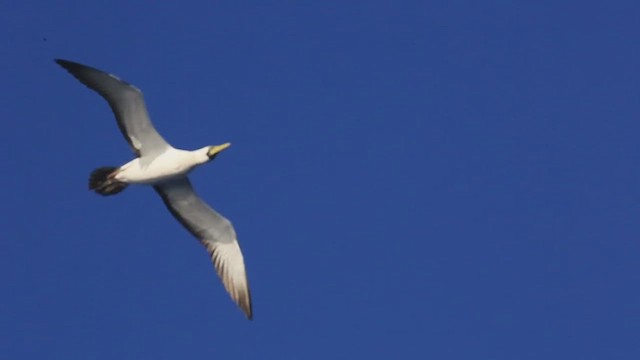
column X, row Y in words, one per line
column 165, row 168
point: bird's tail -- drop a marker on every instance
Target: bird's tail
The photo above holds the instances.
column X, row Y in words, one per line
column 102, row 181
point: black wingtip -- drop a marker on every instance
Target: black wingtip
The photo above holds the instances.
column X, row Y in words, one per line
column 67, row 64
column 75, row 67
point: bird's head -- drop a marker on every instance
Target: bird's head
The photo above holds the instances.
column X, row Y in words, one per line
column 213, row 151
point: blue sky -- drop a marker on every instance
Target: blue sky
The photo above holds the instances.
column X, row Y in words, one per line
column 445, row 180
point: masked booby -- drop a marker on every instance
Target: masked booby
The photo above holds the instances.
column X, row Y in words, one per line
column 165, row 168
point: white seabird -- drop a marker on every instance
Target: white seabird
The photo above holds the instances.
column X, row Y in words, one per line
column 166, row 168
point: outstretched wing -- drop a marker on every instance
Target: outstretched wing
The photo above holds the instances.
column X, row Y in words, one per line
column 126, row 102
column 215, row 232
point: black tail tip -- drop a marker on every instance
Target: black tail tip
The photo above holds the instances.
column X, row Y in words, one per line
column 102, row 182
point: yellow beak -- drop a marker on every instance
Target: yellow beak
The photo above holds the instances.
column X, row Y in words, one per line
column 216, row 149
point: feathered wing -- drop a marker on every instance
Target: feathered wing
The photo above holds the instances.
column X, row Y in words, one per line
column 126, row 102
column 215, row 232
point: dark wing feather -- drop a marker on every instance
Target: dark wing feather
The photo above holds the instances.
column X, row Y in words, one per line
column 214, row 232
column 126, row 102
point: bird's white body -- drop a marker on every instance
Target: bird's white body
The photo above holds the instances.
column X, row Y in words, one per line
column 170, row 164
